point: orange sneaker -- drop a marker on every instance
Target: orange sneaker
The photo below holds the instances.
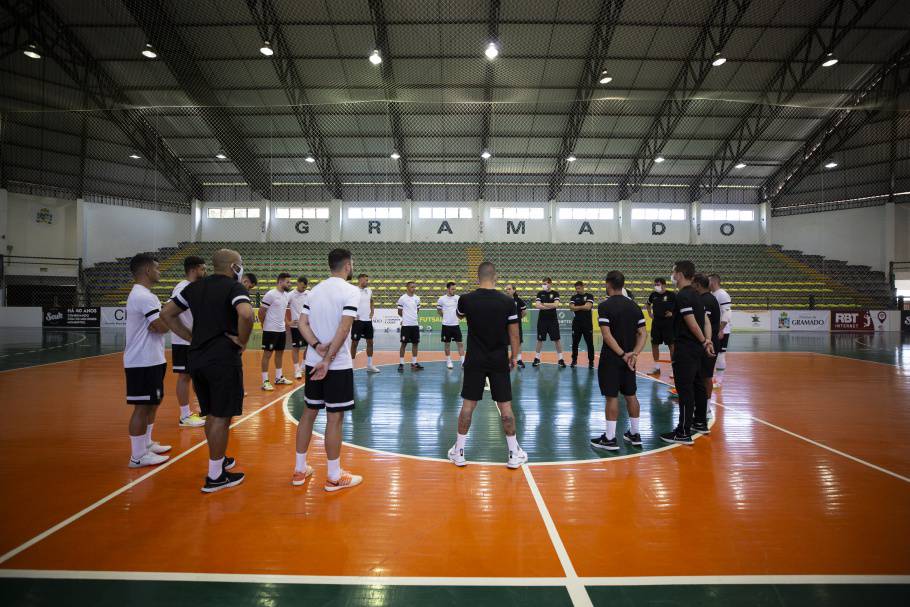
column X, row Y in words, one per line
column 299, row 478
column 346, row 481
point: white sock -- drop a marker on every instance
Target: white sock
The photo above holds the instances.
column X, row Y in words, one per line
column 216, row 468
column 722, row 360
column 265, row 376
column 401, row 360
column 279, row 373
column 537, row 356
column 519, row 356
column 413, row 359
column 462, row 361
column 460, row 440
column 448, row 358
column 634, row 424
column 138, row 446
column 369, row 361
column 184, row 411
column 512, row 442
column 148, row 434
column 334, row 469
column 611, row 429
column 300, row 462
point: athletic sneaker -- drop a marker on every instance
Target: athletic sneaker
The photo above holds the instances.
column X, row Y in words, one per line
column 416, row 367
column 654, row 371
column 157, row 448
column 536, row 362
column 300, row 478
column 635, row 439
column 516, row 459
column 521, row 364
column 149, row 459
column 562, row 364
column 283, row 381
column 346, row 481
column 227, row 479
column 574, row 364
column 604, row 443
column 267, row 386
column 449, row 365
column 401, row 368
column 701, row 428
column 229, row 462
column 456, row 456
column 193, row 420
column 591, row 365
column 676, row 436
column 372, row 369
column 298, row 374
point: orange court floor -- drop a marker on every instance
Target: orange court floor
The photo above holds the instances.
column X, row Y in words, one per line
column 803, row 484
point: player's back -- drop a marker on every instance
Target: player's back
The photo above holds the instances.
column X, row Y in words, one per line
column 488, row 313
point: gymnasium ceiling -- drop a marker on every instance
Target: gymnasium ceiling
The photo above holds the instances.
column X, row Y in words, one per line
column 72, row 119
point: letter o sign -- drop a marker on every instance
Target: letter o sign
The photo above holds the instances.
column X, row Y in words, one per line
column 727, row 229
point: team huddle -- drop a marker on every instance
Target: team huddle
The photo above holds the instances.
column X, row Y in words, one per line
column 211, row 320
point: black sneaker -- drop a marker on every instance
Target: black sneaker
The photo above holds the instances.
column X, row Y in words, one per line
column 604, row 443
column 227, row 479
column 401, row 368
column 536, row 362
column 635, row 439
column 521, row 364
column 416, row 367
column 676, row 436
column 701, row 428
column 228, row 463
column 562, row 364
column 574, row 364
column 590, row 364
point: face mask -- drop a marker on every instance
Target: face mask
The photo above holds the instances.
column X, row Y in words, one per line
column 659, row 288
column 546, row 287
column 238, row 273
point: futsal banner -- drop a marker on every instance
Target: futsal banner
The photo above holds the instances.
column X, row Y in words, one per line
column 72, row 318
column 113, row 317
column 852, row 320
column 800, row 320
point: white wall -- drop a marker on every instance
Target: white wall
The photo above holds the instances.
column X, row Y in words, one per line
column 902, row 232
column 111, row 231
column 516, row 230
column 579, row 230
column 433, row 230
column 231, row 229
column 646, row 230
column 30, row 237
column 743, row 232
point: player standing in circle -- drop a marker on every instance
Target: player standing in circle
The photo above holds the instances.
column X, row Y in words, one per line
column 193, row 270
column 522, row 308
column 660, row 309
column 547, row 322
column 273, row 313
column 712, row 318
column 726, row 323
column 451, row 328
column 363, row 326
column 492, row 334
column 296, row 301
column 249, row 281
column 581, row 304
column 409, row 311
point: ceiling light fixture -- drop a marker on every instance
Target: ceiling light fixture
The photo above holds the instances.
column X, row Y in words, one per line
column 740, row 165
column 375, row 57
column 831, row 60
column 492, row 51
column 485, row 154
column 605, row 77
column 267, row 49
column 830, row 163
column 718, row 60
column 571, row 159
column 31, row 51
column 395, row 155
column 221, row 156
column 310, row 159
column 149, row 52
column 135, row 156
column 659, row 159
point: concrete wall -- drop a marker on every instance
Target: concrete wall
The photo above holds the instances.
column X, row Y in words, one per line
column 111, row 231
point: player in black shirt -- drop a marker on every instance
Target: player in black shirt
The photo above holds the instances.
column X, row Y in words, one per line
column 623, row 328
column 222, row 323
column 547, row 322
column 690, row 346
column 660, row 309
column 492, row 332
column 582, row 303
column 701, row 284
column 522, row 308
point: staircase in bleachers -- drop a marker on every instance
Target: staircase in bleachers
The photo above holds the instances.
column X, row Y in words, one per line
column 756, row 276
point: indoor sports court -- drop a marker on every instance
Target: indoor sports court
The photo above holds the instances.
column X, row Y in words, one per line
column 589, row 302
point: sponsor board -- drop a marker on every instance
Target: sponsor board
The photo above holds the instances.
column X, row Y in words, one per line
column 852, row 320
column 745, row 320
column 800, row 320
column 113, row 317
column 81, row 318
column 905, row 321
column 885, row 320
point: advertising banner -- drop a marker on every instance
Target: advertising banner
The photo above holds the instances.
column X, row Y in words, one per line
column 852, row 320
column 800, row 320
column 885, row 320
column 745, row 321
column 72, row 318
column 905, row 321
column 113, row 317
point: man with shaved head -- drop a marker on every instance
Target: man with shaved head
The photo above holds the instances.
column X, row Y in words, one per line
column 222, row 323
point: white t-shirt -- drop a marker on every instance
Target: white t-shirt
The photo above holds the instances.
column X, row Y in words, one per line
column 275, row 302
column 409, row 306
column 296, row 300
column 363, row 307
column 726, row 309
column 186, row 317
column 328, row 302
column 447, row 305
column 144, row 348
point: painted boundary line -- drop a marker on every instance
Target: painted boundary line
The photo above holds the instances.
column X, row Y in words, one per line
column 60, row 362
column 52, row 530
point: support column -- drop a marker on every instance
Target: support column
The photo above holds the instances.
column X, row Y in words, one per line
column 551, row 221
column 4, row 218
column 890, row 237
column 407, row 207
column 196, row 221
column 695, row 223
column 764, row 223
column 624, row 208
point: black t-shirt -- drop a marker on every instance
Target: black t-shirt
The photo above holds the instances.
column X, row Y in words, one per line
column 489, row 314
column 712, row 311
column 661, row 303
column 213, row 301
column 580, row 299
column 687, row 303
column 550, row 296
column 624, row 317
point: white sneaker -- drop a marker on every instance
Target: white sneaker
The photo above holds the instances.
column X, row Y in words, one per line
column 373, row 369
column 449, row 365
column 158, row 448
column 283, row 381
column 517, row 458
column 456, row 456
column 298, row 374
column 149, row 459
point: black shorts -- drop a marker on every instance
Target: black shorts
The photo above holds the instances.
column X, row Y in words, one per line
column 474, row 380
column 662, row 331
column 362, row 329
column 724, row 342
column 547, row 328
column 410, row 335
column 707, row 365
column 274, row 340
column 297, row 340
column 178, row 358
column 145, row 385
column 451, row 333
column 615, row 376
column 219, row 389
column 334, row 392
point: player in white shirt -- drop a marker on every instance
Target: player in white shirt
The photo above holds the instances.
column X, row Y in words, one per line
column 273, row 316
column 363, row 325
column 726, row 324
column 326, row 323
column 193, row 270
column 144, row 362
column 296, row 300
column 451, row 328
column 409, row 311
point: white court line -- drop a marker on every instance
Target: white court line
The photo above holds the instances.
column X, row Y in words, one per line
column 576, row 588
column 805, row 438
column 61, row 362
column 354, row 580
column 48, row 532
